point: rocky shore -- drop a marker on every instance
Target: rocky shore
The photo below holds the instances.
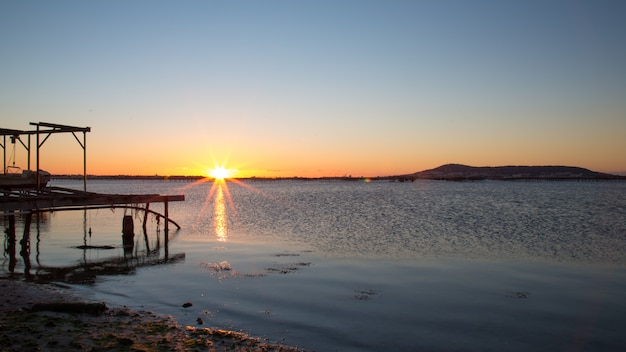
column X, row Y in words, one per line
column 36, row 317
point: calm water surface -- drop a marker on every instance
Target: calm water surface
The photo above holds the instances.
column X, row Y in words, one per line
column 339, row 266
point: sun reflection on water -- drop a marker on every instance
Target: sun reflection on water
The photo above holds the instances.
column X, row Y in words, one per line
column 224, row 210
column 220, row 222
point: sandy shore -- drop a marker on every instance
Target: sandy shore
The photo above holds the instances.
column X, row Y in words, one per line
column 36, row 317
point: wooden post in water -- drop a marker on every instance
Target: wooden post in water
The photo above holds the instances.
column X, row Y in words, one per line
column 145, row 228
column 145, row 216
column 167, row 221
column 128, row 234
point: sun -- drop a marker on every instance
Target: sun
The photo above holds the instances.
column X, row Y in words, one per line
column 220, row 173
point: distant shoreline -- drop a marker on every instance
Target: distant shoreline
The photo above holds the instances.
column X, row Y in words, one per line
column 447, row 172
column 458, row 172
column 352, row 179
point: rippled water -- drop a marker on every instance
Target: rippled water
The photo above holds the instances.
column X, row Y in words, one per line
column 582, row 222
column 337, row 265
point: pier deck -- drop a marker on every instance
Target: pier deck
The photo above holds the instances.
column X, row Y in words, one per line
column 23, row 201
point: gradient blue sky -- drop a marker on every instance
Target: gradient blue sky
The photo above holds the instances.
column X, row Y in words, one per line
column 317, row 88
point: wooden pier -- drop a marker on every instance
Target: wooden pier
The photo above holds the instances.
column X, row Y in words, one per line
column 25, row 200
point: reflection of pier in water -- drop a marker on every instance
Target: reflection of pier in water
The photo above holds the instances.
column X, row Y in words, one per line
column 29, row 199
column 84, row 271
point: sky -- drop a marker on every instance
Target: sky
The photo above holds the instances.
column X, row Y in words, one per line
column 283, row 88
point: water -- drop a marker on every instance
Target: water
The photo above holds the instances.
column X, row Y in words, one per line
column 356, row 266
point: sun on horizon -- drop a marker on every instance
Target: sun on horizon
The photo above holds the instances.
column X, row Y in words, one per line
column 220, row 173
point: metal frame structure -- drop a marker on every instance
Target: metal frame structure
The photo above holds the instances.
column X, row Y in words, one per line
column 48, row 130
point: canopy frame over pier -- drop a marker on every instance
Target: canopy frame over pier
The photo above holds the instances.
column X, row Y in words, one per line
column 48, row 130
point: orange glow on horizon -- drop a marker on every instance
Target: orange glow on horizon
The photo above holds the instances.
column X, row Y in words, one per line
column 250, row 163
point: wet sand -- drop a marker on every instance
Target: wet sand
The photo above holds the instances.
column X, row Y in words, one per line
column 47, row 318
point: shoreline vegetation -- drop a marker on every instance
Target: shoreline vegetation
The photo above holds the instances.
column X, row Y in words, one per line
column 44, row 317
column 448, row 172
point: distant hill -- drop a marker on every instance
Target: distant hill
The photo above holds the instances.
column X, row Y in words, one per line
column 464, row 172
